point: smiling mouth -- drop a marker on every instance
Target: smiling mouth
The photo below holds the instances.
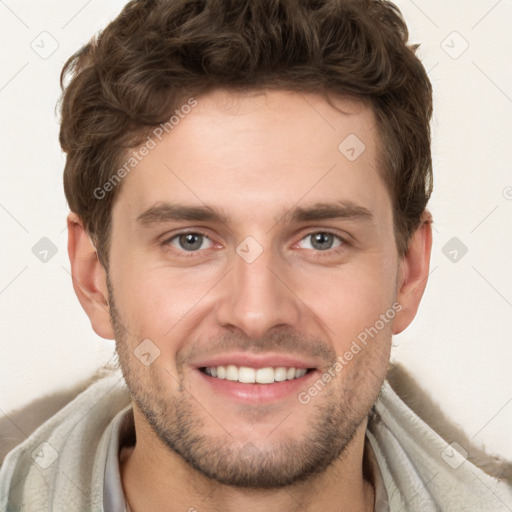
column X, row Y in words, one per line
column 248, row 375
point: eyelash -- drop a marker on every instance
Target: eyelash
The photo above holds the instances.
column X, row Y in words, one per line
column 188, row 254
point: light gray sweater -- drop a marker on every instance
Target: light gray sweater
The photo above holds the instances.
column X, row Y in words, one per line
column 70, row 463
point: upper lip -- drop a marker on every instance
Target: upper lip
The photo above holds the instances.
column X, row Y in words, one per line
column 258, row 361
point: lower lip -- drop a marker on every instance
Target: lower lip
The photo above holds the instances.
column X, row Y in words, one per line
column 257, row 393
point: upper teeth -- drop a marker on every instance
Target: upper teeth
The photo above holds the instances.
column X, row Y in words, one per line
column 252, row 375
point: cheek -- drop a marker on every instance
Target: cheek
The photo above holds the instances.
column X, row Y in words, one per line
column 351, row 299
column 158, row 301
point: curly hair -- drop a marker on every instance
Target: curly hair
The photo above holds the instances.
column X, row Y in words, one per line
column 158, row 53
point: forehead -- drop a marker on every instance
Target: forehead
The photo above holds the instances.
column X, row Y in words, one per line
column 259, row 154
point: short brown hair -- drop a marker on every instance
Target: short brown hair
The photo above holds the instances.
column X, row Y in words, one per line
column 157, row 53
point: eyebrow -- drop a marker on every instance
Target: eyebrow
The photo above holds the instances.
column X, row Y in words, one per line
column 166, row 212
column 324, row 211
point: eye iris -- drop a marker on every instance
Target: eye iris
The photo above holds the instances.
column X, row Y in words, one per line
column 322, row 241
column 191, row 241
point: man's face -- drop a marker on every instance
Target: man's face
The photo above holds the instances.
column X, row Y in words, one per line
column 248, row 238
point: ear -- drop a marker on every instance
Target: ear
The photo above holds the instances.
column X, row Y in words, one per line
column 89, row 278
column 413, row 273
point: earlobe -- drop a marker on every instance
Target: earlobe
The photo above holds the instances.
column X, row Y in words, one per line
column 89, row 277
column 413, row 273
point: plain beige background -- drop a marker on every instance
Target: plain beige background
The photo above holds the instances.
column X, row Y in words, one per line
column 459, row 348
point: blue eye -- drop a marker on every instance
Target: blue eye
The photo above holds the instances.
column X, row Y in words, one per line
column 322, row 241
column 190, row 242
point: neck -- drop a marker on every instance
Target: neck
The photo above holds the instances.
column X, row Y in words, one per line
column 155, row 478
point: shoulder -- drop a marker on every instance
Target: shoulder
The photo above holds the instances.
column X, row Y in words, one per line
column 20, row 424
column 66, row 451
column 421, row 454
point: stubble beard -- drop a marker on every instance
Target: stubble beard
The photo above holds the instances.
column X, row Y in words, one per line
column 180, row 424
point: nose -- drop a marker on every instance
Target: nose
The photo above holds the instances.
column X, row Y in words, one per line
column 256, row 297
